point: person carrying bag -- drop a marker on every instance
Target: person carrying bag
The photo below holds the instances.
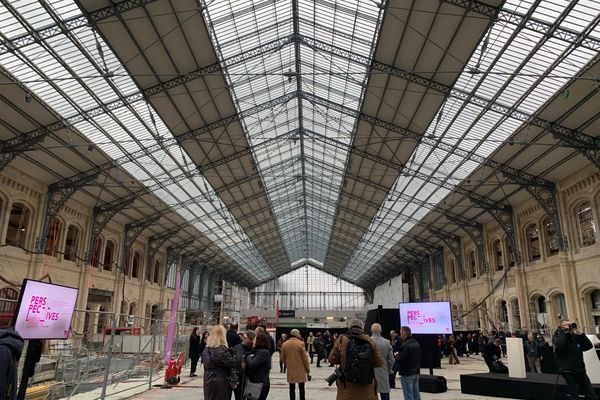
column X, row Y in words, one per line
column 256, row 367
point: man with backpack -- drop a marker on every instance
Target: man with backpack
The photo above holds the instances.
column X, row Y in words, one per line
column 357, row 357
column 409, row 360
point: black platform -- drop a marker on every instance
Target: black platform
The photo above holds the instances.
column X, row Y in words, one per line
column 534, row 387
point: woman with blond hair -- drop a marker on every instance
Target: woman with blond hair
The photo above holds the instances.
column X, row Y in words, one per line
column 218, row 363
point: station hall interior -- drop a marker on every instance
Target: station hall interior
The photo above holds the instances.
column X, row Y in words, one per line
column 320, row 156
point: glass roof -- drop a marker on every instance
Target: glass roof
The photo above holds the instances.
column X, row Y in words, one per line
column 304, row 187
column 265, row 51
column 516, row 68
column 66, row 71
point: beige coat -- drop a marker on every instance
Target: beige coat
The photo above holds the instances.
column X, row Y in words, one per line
column 338, row 356
column 295, row 359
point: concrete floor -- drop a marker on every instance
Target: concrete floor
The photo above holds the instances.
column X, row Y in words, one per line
column 191, row 388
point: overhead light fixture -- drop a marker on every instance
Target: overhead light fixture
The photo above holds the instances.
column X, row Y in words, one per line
column 28, row 97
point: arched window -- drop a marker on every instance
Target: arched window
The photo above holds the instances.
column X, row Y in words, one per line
column 587, row 226
column 497, row 246
column 532, row 235
column 472, row 264
column 551, row 237
column 94, row 261
column 52, row 238
column 156, row 276
column 71, row 243
column 511, row 254
column 18, row 225
column 516, row 313
column 451, row 272
column 7, row 307
column 560, row 305
column 109, row 252
column 503, row 312
column 135, row 270
column 595, row 297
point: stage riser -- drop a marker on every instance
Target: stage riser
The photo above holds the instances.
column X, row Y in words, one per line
column 534, row 387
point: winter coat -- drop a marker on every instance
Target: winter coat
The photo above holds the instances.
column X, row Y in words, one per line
column 258, row 365
column 239, row 352
column 218, row 363
column 11, row 347
column 233, row 338
column 310, row 340
column 339, row 356
column 409, row 357
column 194, row 349
column 383, row 373
column 295, row 359
column 568, row 351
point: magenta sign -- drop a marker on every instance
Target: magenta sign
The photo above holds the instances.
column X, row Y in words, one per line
column 45, row 310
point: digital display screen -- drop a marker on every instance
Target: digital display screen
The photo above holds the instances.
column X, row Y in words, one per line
column 427, row 317
column 45, row 310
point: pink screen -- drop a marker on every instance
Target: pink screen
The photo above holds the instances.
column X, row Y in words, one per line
column 45, row 311
column 426, row 317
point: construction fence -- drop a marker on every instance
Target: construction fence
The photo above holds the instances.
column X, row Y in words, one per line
column 112, row 357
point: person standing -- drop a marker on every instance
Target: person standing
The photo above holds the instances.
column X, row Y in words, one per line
column 258, row 364
column 319, row 348
column 409, row 358
column 11, row 347
column 262, row 329
column 310, row 346
column 240, row 351
column 358, row 380
column 396, row 343
column 295, row 359
column 383, row 373
column 453, row 357
column 569, row 344
column 203, row 342
column 233, row 338
column 532, row 353
column 194, row 351
column 491, row 355
column 218, row 363
column 279, row 344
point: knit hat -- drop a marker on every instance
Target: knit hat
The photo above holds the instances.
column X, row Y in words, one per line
column 356, row 323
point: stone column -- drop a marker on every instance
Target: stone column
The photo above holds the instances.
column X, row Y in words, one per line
column 522, row 297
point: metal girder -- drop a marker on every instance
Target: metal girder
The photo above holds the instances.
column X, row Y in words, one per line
column 134, row 229
column 11, row 148
column 155, row 243
column 529, row 22
column 453, row 243
column 103, row 213
column 501, row 212
column 584, row 143
column 57, row 195
column 473, row 228
column 115, row 9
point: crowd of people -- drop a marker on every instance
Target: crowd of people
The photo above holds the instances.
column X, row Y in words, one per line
column 365, row 366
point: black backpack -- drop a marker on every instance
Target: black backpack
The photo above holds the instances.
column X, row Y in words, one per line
column 360, row 367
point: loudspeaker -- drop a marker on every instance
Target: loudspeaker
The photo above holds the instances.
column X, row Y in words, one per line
column 432, row 384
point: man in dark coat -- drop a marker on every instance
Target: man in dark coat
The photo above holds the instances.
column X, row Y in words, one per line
column 491, row 355
column 239, row 352
column 409, row 359
column 569, row 344
column 11, row 347
column 233, row 338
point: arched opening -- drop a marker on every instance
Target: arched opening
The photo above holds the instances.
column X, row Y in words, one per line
column 503, row 314
column 71, row 243
column 95, row 261
column 155, row 316
column 586, row 224
column 135, row 269
column 132, row 316
column 451, row 272
column 511, row 253
column 551, row 238
column 156, row 275
column 123, row 314
column 498, row 256
column 109, row 252
column 8, row 307
column 539, row 315
column 532, row 236
column 472, row 264
column 18, row 225
column 595, row 298
column 559, row 304
column 473, row 318
column 52, row 238
column 515, row 314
